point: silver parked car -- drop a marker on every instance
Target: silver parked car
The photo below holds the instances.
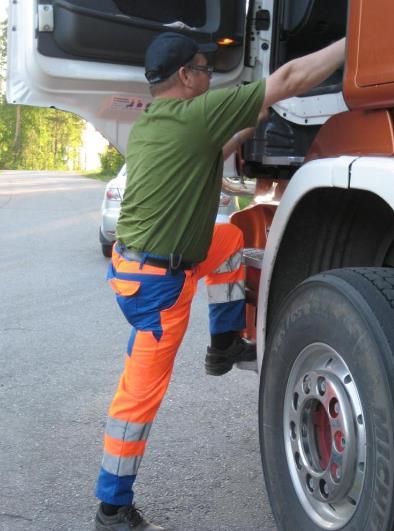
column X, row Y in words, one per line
column 110, row 208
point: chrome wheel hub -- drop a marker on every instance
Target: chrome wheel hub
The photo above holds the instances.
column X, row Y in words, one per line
column 325, row 436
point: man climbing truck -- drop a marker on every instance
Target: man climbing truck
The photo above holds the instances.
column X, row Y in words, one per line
column 319, row 258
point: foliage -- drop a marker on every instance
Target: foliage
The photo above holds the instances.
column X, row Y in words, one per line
column 3, row 50
column 33, row 138
column 111, row 161
column 39, row 139
column 244, row 201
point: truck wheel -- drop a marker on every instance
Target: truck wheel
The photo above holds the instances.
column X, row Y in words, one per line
column 326, row 406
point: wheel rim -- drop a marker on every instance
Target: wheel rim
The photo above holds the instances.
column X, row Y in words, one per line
column 325, row 436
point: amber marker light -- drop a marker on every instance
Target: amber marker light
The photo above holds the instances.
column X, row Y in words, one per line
column 226, row 41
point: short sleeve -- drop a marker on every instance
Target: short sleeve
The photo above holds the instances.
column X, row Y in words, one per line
column 229, row 110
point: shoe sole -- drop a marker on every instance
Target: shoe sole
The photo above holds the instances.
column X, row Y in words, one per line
column 101, row 527
column 218, row 369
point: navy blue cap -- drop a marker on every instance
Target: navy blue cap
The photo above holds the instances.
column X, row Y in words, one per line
column 168, row 52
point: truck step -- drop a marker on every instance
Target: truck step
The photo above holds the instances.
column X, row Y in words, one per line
column 248, row 366
column 253, row 257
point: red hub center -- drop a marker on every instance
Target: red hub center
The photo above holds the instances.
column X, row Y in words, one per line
column 321, row 424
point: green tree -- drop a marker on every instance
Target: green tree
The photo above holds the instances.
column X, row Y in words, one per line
column 39, row 139
column 111, row 160
column 33, row 138
column 3, row 50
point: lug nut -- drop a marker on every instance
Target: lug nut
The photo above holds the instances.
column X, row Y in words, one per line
column 324, row 488
column 307, row 384
column 310, row 483
column 336, row 471
column 321, row 385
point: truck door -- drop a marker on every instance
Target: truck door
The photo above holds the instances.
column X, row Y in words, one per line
column 86, row 56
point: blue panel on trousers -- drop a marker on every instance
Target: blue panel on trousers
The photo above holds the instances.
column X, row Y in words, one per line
column 156, row 293
column 114, row 489
column 227, row 316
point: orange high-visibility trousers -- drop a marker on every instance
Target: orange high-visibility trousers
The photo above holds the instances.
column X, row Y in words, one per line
column 156, row 302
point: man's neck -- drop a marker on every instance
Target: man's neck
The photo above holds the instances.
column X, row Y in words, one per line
column 174, row 93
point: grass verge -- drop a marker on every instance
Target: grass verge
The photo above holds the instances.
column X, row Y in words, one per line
column 98, row 175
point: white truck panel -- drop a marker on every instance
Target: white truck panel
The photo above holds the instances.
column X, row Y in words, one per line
column 375, row 175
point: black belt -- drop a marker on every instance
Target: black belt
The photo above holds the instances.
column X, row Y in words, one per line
column 173, row 263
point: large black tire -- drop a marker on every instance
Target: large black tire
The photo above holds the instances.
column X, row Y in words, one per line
column 326, row 407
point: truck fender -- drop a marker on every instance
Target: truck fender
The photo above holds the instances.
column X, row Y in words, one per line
column 375, row 175
column 322, row 173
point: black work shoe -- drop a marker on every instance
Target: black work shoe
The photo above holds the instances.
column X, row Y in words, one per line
column 127, row 518
column 218, row 362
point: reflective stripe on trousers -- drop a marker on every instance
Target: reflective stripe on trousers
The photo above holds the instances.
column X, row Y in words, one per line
column 157, row 305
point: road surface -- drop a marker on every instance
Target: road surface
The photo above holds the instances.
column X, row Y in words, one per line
column 62, row 342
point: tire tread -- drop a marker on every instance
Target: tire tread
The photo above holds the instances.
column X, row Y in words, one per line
column 381, row 278
column 369, row 293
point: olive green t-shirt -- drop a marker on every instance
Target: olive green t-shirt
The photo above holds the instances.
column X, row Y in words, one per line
column 174, row 169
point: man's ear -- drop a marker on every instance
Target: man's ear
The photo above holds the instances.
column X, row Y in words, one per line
column 185, row 76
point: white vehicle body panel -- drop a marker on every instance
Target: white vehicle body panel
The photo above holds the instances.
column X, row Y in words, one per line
column 324, row 173
column 312, row 110
column 376, row 175
column 107, row 95
column 111, row 96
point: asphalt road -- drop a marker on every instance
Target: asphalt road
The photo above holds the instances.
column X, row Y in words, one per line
column 62, row 340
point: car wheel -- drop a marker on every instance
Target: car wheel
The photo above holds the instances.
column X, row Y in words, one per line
column 107, row 249
column 326, row 407
column 106, row 246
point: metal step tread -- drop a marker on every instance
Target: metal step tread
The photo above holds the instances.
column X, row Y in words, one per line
column 253, row 257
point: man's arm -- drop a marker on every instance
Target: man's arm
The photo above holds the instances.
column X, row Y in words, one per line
column 304, row 73
column 239, row 138
column 236, row 141
column 293, row 78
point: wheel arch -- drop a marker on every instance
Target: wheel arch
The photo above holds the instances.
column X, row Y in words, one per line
column 332, row 215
